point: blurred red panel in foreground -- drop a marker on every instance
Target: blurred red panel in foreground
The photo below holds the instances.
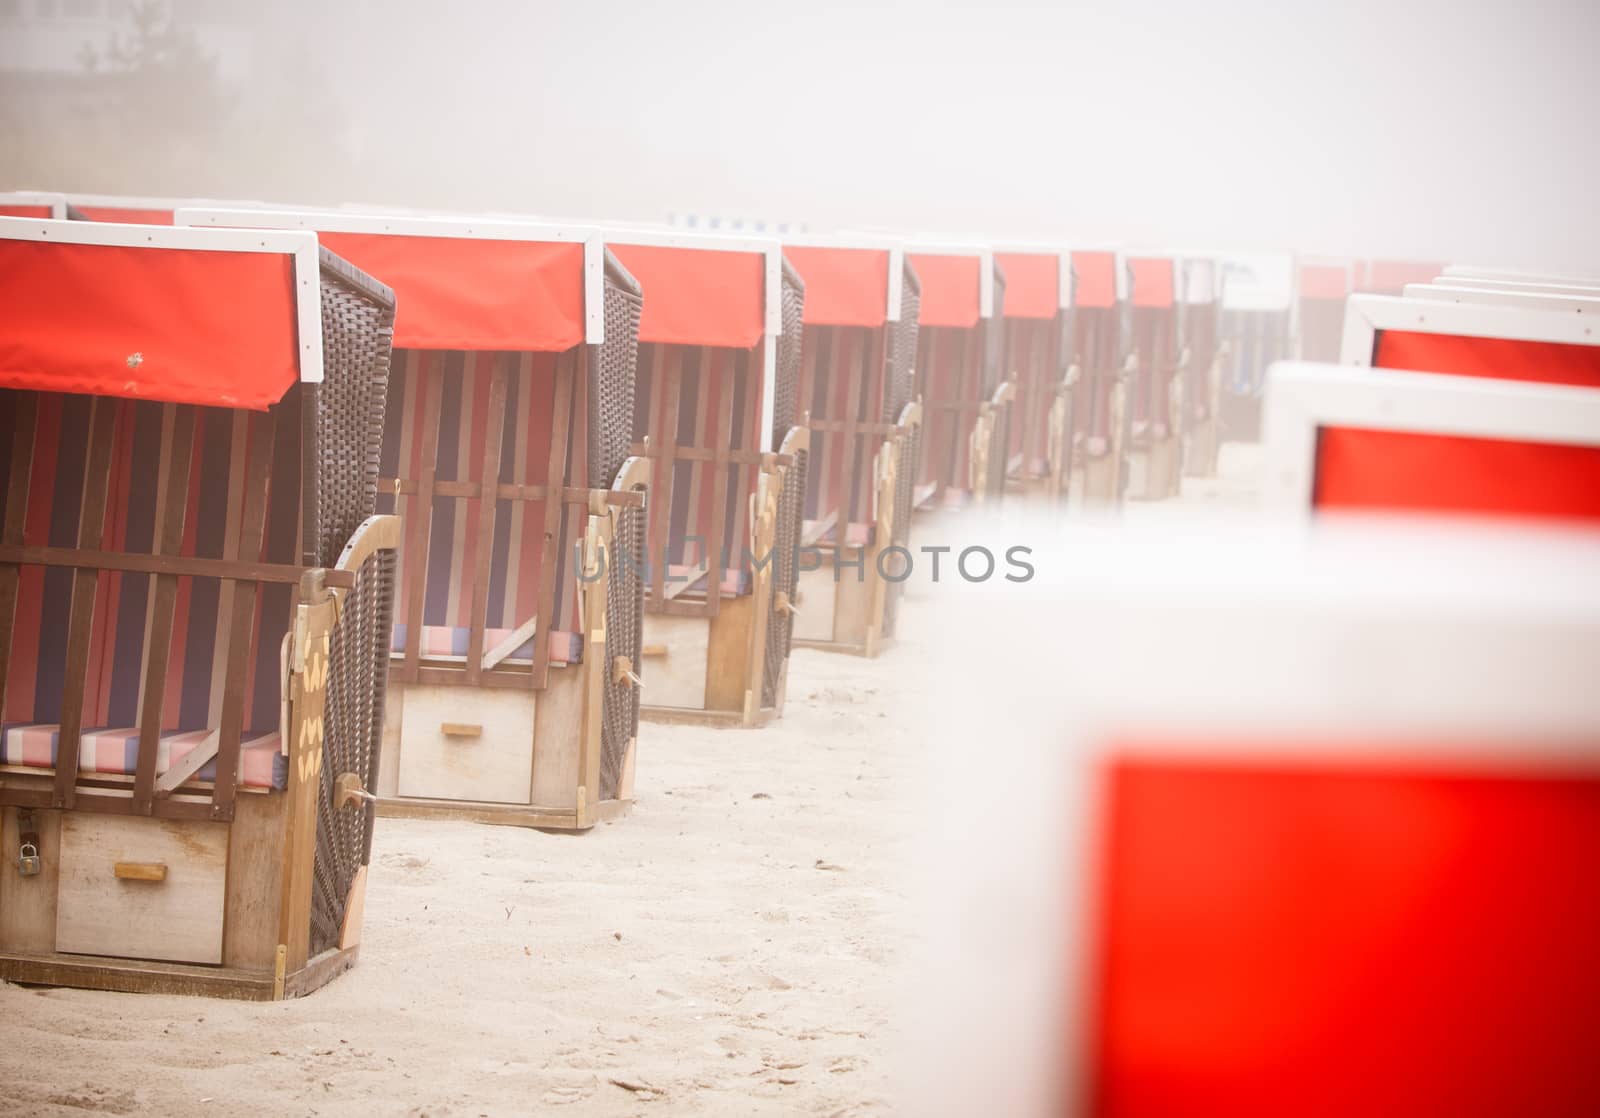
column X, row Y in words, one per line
column 1346, row 941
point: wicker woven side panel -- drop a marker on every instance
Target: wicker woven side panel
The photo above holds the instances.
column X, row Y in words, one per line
column 612, row 376
column 352, row 732
column 345, row 428
column 994, row 337
column 906, row 449
column 902, row 357
column 785, row 576
column 619, row 723
column 786, row 399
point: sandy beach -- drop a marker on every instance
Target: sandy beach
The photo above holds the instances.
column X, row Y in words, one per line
column 733, row 947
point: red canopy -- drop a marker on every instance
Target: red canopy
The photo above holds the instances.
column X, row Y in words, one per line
column 951, row 292
column 474, row 293
column 15, row 209
column 127, row 214
column 1097, row 279
column 1152, row 281
column 844, row 286
column 1323, row 281
column 1403, row 471
column 1496, row 358
column 183, row 325
column 696, row 296
column 1033, row 284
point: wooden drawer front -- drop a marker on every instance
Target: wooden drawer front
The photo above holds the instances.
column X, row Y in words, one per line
column 815, row 600
column 467, row 743
column 674, row 661
column 142, row 888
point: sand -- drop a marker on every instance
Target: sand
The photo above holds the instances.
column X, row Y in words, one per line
column 734, row 947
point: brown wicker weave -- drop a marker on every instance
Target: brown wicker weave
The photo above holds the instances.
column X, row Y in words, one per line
column 611, row 395
column 902, row 374
column 344, row 421
column 792, row 500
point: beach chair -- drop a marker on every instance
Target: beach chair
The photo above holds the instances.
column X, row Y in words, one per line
column 516, row 649
column 1258, row 329
column 1321, row 287
column 1302, row 824
column 1200, row 387
column 1098, row 377
column 717, row 410
column 1036, row 321
column 965, row 398
column 195, row 606
column 1157, row 357
column 857, row 368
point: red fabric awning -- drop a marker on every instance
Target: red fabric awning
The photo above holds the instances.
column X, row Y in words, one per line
column 844, row 286
column 1097, row 279
column 1331, row 938
column 951, row 295
column 1152, row 281
column 181, row 325
column 1033, row 284
column 1323, row 281
column 474, row 293
column 11, row 209
column 126, row 214
column 1389, row 277
column 1400, row 471
column 1496, row 358
column 696, row 296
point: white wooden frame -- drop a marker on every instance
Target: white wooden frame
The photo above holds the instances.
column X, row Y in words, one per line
column 1514, row 275
column 1303, row 398
column 1460, row 641
column 340, row 221
column 301, row 246
column 56, row 202
column 1464, row 291
column 1524, row 287
column 1366, row 316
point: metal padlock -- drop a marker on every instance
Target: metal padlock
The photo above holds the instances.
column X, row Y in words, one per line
column 28, row 861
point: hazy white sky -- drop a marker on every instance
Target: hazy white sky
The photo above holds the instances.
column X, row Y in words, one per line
column 1457, row 130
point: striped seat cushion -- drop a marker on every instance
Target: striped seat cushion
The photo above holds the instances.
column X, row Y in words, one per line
column 34, row 745
column 446, row 640
column 734, row 582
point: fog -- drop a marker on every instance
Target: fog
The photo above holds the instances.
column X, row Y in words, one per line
column 1430, row 130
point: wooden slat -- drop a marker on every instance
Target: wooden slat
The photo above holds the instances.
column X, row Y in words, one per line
column 176, row 452
column 719, row 482
column 16, row 518
column 242, row 626
column 420, row 512
column 484, row 551
column 665, row 472
column 852, row 429
column 80, row 619
column 712, row 454
column 88, row 559
column 560, row 433
column 506, row 491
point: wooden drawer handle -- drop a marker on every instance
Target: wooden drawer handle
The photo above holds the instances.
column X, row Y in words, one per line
column 141, row 871
column 461, row 730
column 653, row 652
